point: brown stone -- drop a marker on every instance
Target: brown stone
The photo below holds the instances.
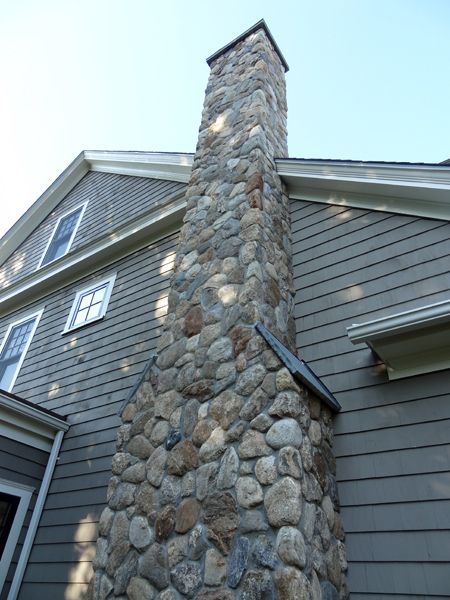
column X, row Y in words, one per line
column 240, row 337
column 225, row 408
column 146, row 499
column 165, row 522
column 254, row 182
column 182, row 458
column 187, row 515
column 193, row 321
column 222, row 519
column 320, row 469
column 202, row 390
column 203, row 430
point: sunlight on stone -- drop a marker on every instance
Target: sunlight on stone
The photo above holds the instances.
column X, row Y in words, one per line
column 228, row 295
column 218, row 124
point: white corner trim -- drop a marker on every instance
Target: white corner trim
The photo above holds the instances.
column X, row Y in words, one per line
column 24, row 493
column 405, row 189
column 35, row 518
column 410, row 343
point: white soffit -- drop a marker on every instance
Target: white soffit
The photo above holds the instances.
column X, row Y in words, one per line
column 412, row 342
column 27, row 423
column 422, row 190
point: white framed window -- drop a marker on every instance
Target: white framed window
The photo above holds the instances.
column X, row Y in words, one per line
column 14, row 348
column 90, row 304
column 14, row 501
column 63, row 235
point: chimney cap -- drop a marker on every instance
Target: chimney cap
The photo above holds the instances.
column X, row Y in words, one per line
column 256, row 27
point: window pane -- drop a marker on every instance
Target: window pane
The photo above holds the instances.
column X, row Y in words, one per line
column 13, row 350
column 99, row 295
column 94, row 311
column 7, row 371
column 85, row 300
column 61, row 237
column 81, row 316
column 8, row 509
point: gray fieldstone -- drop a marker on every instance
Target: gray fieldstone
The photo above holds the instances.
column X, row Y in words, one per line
column 141, row 535
column 170, row 490
column 156, row 466
column 140, row 589
column 266, row 470
column 263, row 552
column 253, row 445
column 177, row 550
column 285, row 432
column 238, row 561
column 283, row 502
column 221, row 350
column 292, row 584
column 249, row 492
column 153, row 565
column 287, row 404
column 214, row 446
column 257, row 585
column 187, row 578
column 205, row 478
column 291, row 547
column 289, row 462
column 250, row 379
column 215, row 568
column 229, row 468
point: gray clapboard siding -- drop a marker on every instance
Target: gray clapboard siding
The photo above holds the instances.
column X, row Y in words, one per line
column 21, row 464
column 113, row 201
column 86, row 375
column 54, row 591
column 392, row 439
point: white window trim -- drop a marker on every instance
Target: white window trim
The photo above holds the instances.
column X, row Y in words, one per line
column 37, row 315
column 72, row 237
column 94, row 284
column 24, row 492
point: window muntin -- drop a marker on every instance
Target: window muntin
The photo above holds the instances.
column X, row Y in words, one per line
column 63, row 235
column 90, row 304
column 14, row 347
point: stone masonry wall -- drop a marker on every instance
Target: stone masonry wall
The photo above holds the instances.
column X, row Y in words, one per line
column 223, row 481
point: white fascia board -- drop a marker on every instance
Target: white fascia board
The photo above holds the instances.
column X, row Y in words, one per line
column 43, row 207
column 154, row 225
column 419, row 190
column 410, row 343
column 157, row 165
column 33, row 413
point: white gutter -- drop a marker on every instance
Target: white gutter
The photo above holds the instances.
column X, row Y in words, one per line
column 35, row 518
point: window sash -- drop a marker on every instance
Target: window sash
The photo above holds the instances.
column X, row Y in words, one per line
column 90, row 304
column 63, row 235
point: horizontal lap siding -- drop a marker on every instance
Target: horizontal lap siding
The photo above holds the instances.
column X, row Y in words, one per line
column 113, row 201
column 22, row 464
column 86, row 375
column 392, row 439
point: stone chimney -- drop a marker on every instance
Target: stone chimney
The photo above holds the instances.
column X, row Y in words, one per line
column 223, row 481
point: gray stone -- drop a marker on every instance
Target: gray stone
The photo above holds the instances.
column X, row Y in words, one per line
column 203, row 430
column 221, row 350
column 196, row 543
column 124, row 572
column 289, row 462
column 120, row 461
column 106, row 519
column 225, row 408
column 177, row 550
column 283, row 502
column 292, row 584
column 264, row 553
column 215, row 568
column 140, row 589
column 170, row 491
column 190, row 416
column 134, row 473
column 253, row 520
column 187, row 578
column 248, row 492
column 329, row 592
column 287, row 404
column 238, row 561
column 253, row 444
column 254, row 405
column 328, row 509
column 214, row 446
column 182, row 458
column 119, row 528
column 308, row 520
column 315, row 433
column 257, row 585
column 188, row 484
column 205, row 479
column 156, row 466
column 261, row 422
column 266, row 470
column 250, row 379
column 285, row 432
column 291, row 547
column 122, row 496
column 153, row 565
column 306, row 454
column 229, row 467
column 173, row 438
column 285, row 381
column 101, row 554
column 159, row 433
column 140, row 533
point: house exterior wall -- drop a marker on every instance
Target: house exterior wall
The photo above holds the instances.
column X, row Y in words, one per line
column 392, row 439
column 86, row 375
column 113, row 201
column 19, row 463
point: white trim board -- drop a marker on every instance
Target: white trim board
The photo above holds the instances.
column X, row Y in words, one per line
column 404, row 189
column 411, row 342
column 154, row 225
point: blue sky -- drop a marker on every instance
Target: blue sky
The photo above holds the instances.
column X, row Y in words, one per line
column 368, row 79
